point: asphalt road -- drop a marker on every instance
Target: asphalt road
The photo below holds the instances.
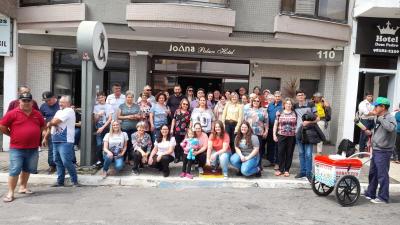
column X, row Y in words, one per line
column 127, row 205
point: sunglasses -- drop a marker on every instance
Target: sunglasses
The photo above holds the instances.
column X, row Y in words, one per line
column 190, row 90
column 26, row 100
column 148, row 90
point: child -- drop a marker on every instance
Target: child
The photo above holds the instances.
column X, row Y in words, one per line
column 189, row 145
column 309, row 135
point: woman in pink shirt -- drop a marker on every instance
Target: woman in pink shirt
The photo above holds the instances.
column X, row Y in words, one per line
column 218, row 151
column 201, row 154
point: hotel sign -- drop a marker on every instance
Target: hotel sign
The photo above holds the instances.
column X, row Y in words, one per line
column 201, row 49
column 378, row 36
column 5, row 36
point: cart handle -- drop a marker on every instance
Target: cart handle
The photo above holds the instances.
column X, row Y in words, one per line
column 362, row 153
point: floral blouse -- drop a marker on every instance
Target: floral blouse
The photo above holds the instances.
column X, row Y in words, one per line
column 218, row 111
column 258, row 119
column 182, row 121
column 145, row 109
column 143, row 143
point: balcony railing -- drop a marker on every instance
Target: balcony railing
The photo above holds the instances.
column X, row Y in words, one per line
column 23, row 3
column 214, row 3
column 331, row 10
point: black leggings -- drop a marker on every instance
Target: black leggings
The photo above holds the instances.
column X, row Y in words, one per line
column 163, row 165
column 178, row 148
column 136, row 156
column 230, row 129
column 187, row 164
column 286, row 146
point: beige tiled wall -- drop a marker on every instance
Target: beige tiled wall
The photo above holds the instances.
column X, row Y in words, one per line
column 38, row 72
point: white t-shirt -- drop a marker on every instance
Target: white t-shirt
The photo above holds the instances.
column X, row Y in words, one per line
column 115, row 103
column 165, row 145
column 116, row 142
column 204, row 117
column 64, row 131
column 106, row 109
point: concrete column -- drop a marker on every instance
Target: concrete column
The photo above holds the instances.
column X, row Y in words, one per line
column 11, row 79
column 349, row 83
column 138, row 72
column 376, row 86
column 326, row 88
column 394, row 88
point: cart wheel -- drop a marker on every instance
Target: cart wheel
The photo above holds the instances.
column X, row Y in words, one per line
column 320, row 189
column 347, row 190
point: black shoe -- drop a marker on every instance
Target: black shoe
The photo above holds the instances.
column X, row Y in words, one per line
column 258, row 174
column 135, row 172
column 75, row 185
column 239, row 174
column 51, row 169
column 176, row 160
column 57, row 185
column 97, row 165
column 299, row 175
column 309, row 178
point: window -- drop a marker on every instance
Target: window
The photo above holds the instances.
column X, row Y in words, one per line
column 332, row 10
column 272, row 84
column 67, row 73
column 178, row 65
column 288, row 6
column 220, row 3
column 23, row 3
column 309, row 87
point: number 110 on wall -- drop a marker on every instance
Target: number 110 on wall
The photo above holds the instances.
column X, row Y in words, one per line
column 326, row 54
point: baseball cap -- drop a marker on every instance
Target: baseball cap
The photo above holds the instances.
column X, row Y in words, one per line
column 24, row 96
column 381, row 101
column 47, row 95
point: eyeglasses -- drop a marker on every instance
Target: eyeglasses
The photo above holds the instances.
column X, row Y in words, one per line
column 26, row 100
column 256, row 100
column 185, row 104
column 300, row 95
column 190, row 90
column 148, row 90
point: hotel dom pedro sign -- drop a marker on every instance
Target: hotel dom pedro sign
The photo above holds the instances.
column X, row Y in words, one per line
column 378, row 36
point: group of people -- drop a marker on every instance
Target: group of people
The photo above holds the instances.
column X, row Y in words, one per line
column 213, row 130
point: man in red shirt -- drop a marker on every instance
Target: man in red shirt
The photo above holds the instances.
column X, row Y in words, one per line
column 24, row 125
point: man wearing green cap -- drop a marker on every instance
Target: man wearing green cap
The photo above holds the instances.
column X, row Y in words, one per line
column 383, row 144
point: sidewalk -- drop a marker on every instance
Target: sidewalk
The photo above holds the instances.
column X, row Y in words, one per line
column 150, row 177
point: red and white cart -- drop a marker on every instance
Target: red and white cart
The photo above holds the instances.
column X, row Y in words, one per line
column 340, row 174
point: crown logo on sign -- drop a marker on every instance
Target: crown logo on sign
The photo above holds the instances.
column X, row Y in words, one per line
column 388, row 29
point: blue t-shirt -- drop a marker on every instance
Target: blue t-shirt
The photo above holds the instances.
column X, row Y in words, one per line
column 272, row 110
column 397, row 116
column 160, row 115
column 48, row 112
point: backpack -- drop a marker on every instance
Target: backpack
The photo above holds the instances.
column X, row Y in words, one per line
column 346, row 146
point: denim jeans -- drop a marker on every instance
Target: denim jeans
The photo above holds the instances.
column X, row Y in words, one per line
column 118, row 163
column 99, row 145
column 247, row 168
column 50, row 156
column 77, row 135
column 25, row 160
column 379, row 174
column 63, row 156
column 305, row 156
column 222, row 160
column 369, row 124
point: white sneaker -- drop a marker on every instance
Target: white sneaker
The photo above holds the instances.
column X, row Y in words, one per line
column 201, row 171
column 226, row 177
column 367, row 197
column 377, row 201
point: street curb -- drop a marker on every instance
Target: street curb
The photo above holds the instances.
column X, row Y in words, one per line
column 144, row 181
